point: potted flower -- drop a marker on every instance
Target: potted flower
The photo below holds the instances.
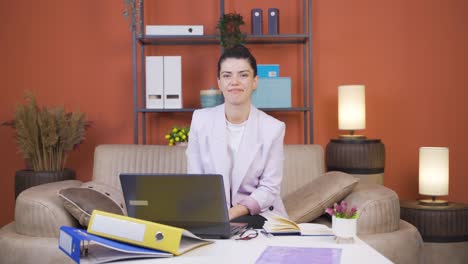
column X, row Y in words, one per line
column 230, row 34
column 344, row 221
column 178, row 136
column 45, row 137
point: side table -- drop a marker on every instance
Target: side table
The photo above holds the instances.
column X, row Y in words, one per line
column 444, row 230
column 437, row 223
column 364, row 158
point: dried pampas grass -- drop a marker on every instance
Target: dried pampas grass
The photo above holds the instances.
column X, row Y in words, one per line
column 46, row 136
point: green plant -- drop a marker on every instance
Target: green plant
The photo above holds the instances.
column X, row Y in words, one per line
column 46, row 136
column 177, row 135
column 229, row 30
column 132, row 12
column 342, row 210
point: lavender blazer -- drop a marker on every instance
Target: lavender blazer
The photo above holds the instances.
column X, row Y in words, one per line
column 258, row 171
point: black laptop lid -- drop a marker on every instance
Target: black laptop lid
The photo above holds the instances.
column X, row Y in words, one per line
column 190, row 201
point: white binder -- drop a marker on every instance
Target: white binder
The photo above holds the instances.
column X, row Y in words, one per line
column 174, row 30
column 172, row 82
column 154, row 82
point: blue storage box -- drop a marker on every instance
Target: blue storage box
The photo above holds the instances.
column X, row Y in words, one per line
column 272, row 93
column 268, row 70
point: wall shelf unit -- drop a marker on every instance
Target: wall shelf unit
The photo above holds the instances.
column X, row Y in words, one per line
column 304, row 39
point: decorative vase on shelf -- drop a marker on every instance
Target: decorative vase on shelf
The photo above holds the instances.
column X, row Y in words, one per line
column 181, row 144
column 211, row 97
column 345, row 229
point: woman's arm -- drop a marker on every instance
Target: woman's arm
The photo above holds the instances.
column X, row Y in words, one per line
column 237, row 210
column 269, row 185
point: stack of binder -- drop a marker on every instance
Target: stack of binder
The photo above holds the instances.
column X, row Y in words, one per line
column 112, row 237
column 163, row 82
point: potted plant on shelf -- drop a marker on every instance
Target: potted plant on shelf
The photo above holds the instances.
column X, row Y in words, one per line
column 178, row 136
column 230, row 34
column 344, row 221
column 45, row 137
column 132, row 11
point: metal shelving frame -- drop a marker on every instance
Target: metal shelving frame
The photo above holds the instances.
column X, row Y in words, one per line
column 305, row 39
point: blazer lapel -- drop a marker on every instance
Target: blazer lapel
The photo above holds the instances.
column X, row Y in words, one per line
column 217, row 143
column 248, row 149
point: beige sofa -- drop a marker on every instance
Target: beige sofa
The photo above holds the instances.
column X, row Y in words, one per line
column 32, row 237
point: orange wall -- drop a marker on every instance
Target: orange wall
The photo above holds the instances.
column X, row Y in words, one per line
column 410, row 54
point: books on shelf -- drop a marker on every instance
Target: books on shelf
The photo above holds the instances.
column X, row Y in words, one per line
column 278, row 225
column 143, row 233
column 83, row 247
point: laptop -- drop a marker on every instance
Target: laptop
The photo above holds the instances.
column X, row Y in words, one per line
column 195, row 202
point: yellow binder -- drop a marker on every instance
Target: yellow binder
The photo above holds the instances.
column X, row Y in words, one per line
column 143, row 233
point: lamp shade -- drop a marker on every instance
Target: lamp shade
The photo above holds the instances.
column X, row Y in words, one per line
column 351, row 107
column 433, row 171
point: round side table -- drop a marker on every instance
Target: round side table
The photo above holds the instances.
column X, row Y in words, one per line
column 437, row 223
column 364, row 158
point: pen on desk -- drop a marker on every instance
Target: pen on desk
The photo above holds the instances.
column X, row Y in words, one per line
column 266, row 233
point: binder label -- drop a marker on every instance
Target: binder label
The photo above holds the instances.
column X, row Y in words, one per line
column 119, row 227
column 65, row 242
column 138, row 202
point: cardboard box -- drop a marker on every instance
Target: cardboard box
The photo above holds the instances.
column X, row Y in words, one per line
column 268, row 70
column 272, row 93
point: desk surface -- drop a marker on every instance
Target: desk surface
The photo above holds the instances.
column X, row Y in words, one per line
column 248, row 251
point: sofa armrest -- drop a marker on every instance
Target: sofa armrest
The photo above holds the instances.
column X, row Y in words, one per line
column 378, row 208
column 39, row 211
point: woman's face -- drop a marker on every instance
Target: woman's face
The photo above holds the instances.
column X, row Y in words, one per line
column 237, row 81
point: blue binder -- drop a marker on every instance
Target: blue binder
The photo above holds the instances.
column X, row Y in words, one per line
column 80, row 245
column 256, row 14
column 273, row 21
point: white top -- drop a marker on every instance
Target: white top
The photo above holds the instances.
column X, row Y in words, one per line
column 234, row 133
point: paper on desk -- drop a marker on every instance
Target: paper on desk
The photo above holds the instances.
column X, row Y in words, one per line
column 299, row 255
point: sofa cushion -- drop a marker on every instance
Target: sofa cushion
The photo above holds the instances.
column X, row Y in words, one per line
column 16, row 248
column 39, row 211
column 311, row 200
column 378, row 206
column 81, row 202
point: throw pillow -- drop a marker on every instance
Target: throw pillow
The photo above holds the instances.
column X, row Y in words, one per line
column 311, row 200
column 80, row 202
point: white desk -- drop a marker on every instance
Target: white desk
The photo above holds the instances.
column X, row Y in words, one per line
column 247, row 251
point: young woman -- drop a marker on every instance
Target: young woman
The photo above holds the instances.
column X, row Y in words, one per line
column 240, row 142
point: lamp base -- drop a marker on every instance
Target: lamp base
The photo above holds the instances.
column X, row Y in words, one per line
column 352, row 137
column 432, row 202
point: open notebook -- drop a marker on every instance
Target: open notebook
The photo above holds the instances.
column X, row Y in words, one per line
column 277, row 225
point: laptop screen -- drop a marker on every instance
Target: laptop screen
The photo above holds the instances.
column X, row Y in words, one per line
column 182, row 200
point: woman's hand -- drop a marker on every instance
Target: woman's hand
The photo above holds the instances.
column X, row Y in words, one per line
column 236, row 211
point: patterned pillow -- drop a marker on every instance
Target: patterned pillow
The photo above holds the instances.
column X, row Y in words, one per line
column 80, row 202
column 311, row 200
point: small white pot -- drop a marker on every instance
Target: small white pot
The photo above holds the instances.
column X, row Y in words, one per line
column 344, row 228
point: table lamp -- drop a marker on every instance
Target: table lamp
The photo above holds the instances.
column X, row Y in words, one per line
column 351, row 110
column 433, row 174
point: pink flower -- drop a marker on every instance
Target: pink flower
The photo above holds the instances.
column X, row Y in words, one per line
column 342, row 210
column 344, row 205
